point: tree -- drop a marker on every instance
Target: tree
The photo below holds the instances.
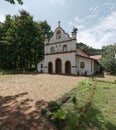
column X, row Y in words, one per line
column 13, row 1
column 22, row 41
column 5, row 39
column 109, row 61
column 89, row 50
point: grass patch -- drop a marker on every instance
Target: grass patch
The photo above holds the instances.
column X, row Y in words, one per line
column 90, row 105
column 72, row 105
column 105, row 101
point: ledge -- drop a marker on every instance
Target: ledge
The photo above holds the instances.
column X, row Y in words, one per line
column 61, row 52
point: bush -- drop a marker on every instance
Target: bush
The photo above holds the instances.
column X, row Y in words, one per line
column 56, row 114
column 74, row 99
column 59, row 115
column 53, row 106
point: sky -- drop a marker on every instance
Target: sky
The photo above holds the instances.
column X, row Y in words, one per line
column 95, row 19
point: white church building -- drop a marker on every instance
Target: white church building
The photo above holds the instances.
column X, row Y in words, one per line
column 61, row 56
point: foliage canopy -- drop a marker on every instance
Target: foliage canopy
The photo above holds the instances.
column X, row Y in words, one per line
column 89, row 50
column 109, row 60
column 22, row 41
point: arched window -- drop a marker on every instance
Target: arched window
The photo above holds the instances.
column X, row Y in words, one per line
column 58, row 34
column 82, row 65
column 52, row 49
column 60, row 48
column 65, row 48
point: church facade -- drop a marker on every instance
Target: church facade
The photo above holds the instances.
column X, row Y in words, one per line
column 61, row 56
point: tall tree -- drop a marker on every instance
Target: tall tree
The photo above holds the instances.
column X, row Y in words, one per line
column 6, row 40
column 109, row 60
column 23, row 41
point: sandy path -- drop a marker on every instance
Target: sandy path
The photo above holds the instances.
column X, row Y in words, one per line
column 105, row 77
column 40, row 86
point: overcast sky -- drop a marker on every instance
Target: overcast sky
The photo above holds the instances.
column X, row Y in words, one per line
column 95, row 19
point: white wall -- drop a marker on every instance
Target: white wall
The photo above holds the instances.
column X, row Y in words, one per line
column 58, row 47
column 39, row 69
column 64, row 57
column 89, row 65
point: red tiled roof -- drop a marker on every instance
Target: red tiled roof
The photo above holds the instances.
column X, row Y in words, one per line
column 83, row 52
column 88, row 57
column 96, row 57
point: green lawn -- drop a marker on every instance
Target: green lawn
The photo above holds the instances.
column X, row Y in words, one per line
column 91, row 106
column 105, row 103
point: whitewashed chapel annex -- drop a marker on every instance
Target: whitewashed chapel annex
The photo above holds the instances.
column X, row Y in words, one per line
column 61, row 55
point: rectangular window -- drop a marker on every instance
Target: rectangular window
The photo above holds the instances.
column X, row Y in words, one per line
column 41, row 65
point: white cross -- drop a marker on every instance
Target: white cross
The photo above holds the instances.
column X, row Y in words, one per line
column 59, row 23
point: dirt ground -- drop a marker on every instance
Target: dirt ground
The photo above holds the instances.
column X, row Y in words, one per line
column 23, row 96
column 41, row 86
column 38, row 86
column 105, row 76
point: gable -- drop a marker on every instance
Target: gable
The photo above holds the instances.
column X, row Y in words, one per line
column 59, row 35
column 81, row 53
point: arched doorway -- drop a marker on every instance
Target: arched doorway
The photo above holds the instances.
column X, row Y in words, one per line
column 68, row 67
column 58, row 64
column 50, row 68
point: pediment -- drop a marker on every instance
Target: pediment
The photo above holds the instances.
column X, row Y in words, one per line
column 59, row 35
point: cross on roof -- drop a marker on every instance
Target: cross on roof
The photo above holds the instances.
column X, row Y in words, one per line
column 59, row 23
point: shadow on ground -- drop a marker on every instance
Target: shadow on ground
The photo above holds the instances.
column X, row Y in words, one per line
column 99, row 75
column 18, row 113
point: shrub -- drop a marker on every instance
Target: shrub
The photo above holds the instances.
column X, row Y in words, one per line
column 53, row 106
column 56, row 114
column 74, row 99
column 59, row 115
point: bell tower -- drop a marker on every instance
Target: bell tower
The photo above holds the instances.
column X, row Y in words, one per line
column 74, row 33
